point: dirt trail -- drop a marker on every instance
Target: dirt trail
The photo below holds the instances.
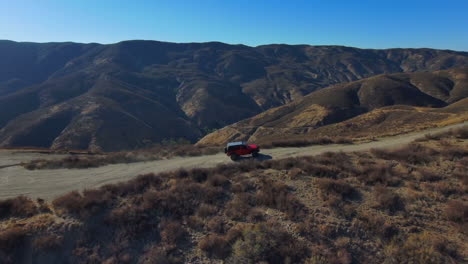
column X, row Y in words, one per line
column 47, row 184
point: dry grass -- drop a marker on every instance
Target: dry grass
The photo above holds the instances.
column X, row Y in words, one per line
column 20, row 206
column 304, row 141
column 382, row 206
column 149, row 154
column 458, row 133
column 386, row 199
column 457, row 211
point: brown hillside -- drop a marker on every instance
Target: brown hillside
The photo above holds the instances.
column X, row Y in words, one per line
column 136, row 93
column 376, row 106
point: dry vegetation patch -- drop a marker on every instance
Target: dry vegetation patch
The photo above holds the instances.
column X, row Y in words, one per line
column 382, row 206
column 101, row 159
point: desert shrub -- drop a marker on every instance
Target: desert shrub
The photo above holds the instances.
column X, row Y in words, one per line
column 72, row 162
column 47, row 242
column 172, row 232
column 43, row 207
column 181, row 198
column 451, row 152
column 463, row 177
column 446, row 188
column 412, row 153
column 12, row 238
column 269, row 243
column 457, row 211
column 426, row 174
column 241, row 186
column 285, row 164
column 343, row 140
column 386, row 199
column 206, row 210
column 307, row 228
column 277, row 195
column 329, row 165
column 339, row 188
column 423, row 248
column 333, row 158
column 377, row 224
column 71, row 202
column 131, row 220
column 303, row 142
column 20, row 206
column 155, row 254
column 430, row 136
column 460, row 133
column 294, row 173
column 156, row 152
column 255, row 215
column 198, row 174
column 216, row 246
column 238, row 207
column 216, row 224
column 83, row 205
column 218, row 180
column 195, row 223
column 324, row 171
column 379, row 173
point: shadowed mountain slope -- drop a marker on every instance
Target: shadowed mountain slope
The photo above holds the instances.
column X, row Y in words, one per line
column 135, row 93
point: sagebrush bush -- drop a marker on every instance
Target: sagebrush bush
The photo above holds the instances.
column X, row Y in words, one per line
column 426, row 174
column 83, row 205
column 386, row 199
column 379, row 225
column 334, row 187
column 277, row 195
column 12, row 238
column 20, row 206
column 412, row 153
column 91, row 161
column 172, row 232
column 216, row 224
column 303, row 142
column 420, row 248
column 457, row 211
column 215, row 246
column 205, row 210
column 47, row 242
column 238, row 207
column 218, row 180
column 268, row 243
column 379, row 173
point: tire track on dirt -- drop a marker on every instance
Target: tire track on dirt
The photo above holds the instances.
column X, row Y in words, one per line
column 47, row 184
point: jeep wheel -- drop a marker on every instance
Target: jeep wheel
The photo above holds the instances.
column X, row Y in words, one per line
column 234, row 157
column 255, row 154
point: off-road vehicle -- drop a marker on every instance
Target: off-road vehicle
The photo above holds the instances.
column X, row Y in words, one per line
column 238, row 149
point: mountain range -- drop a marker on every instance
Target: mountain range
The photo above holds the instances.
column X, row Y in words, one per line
column 136, row 93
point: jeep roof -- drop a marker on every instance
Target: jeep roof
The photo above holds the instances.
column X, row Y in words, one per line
column 238, row 143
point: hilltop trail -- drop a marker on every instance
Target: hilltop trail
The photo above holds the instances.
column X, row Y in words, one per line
column 47, row 184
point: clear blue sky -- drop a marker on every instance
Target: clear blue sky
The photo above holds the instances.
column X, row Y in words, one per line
column 367, row 24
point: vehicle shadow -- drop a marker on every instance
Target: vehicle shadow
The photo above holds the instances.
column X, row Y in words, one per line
column 260, row 157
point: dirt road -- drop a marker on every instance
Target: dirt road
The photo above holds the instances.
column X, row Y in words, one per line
column 47, row 184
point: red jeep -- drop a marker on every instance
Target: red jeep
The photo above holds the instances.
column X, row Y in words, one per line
column 237, row 149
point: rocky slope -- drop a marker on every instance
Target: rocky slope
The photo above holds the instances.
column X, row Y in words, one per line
column 135, row 93
column 376, row 106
